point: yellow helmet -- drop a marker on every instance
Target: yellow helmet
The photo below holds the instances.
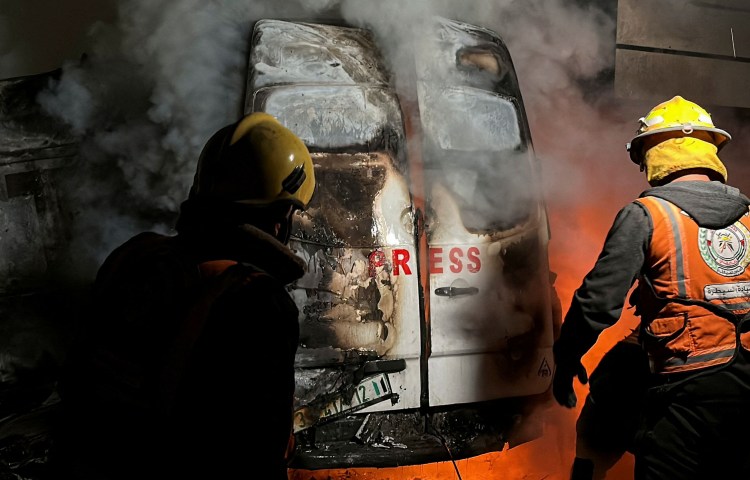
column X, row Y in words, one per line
column 676, row 117
column 256, row 161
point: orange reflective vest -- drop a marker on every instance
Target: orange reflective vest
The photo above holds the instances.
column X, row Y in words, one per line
column 692, row 314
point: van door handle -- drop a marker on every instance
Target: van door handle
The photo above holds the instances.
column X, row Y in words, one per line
column 456, row 291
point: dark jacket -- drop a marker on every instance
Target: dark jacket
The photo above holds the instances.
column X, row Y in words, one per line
column 186, row 371
column 598, row 302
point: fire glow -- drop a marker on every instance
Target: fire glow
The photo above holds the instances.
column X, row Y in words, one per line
column 550, row 456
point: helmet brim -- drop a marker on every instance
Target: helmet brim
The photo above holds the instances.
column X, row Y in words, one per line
column 635, row 146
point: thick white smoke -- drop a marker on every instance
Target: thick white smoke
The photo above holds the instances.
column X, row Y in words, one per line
column 163, row 77
column 167, row 74
column 561, row 49
column 157, row 83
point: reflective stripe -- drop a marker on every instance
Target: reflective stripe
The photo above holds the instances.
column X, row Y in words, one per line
column 706, row 357
column 735, row 306
column 679, row 258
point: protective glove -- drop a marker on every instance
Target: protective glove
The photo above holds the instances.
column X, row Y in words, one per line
column 562, row 382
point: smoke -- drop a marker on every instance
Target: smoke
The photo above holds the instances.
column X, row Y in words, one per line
column 162, row 78
column 563, row 52
column 155, row 85
column 166, row 75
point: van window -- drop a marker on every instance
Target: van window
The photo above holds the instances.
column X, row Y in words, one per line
column 336, row 117
column 290, row 52
column 468, row 119
column 475, row 150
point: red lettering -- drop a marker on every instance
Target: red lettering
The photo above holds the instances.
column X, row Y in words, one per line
column 474, row 263
column 455, row 257
column 436, row 260
column 401, row 259
column 375, row 259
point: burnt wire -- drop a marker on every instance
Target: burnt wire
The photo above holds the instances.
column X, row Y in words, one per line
column 431, row 430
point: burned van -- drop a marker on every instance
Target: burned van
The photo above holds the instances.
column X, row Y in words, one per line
column 426, row 312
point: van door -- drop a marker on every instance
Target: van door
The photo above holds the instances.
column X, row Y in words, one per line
column 359, row 300
column 490, row 316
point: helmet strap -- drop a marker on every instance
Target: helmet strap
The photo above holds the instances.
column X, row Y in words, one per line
column 285, row 231
column 285, row 226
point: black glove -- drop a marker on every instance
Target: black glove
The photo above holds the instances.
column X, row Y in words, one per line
column 562, row 382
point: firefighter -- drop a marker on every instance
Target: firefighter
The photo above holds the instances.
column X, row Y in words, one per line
column 685, row 242
column 186, row 369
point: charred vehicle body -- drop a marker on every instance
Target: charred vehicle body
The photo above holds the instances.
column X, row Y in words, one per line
column 36, row 155
column 426, row 313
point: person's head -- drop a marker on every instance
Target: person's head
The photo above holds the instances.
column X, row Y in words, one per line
column 678, row 137
column 254, row 171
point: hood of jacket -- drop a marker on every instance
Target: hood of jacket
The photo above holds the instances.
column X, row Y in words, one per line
column 245, row 244
column 712, row 204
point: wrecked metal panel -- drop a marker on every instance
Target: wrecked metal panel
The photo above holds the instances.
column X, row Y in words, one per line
column 352, row 308
column 357, row 309
column 356, row 239
column 34, row 152
column 27, row 132
column 286, row 52
column 358, row 300
column 361, row 200
column 698, row 49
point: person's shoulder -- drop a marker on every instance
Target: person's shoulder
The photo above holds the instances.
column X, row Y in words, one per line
column 258, row 284
column 258, row 280
column 632, row 217
column 146, row 254
column 636, row 206
column 140, row 244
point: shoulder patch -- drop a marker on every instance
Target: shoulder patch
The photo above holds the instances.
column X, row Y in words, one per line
column 725, row 250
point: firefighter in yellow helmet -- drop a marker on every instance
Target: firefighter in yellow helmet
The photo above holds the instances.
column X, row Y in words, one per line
column 187, row 366
column 675, row 136
column 684, row 245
